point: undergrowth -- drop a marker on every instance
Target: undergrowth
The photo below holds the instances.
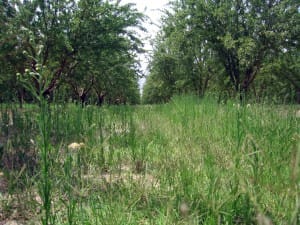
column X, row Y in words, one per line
column 191, row 161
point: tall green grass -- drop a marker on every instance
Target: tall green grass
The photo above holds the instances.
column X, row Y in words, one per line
column 191, row 161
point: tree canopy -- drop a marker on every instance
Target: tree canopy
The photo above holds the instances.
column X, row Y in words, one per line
column 240, row 47
column 85, row 47
column 87, row 50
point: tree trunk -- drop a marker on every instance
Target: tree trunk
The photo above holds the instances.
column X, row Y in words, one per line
column 83, row 99
column 100, row 99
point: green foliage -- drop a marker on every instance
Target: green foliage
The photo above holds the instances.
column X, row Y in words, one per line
column 88, row 47
column 203, row 44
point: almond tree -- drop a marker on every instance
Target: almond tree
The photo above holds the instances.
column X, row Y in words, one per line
column 229, row 42
column 244, row 33
column 74, row 40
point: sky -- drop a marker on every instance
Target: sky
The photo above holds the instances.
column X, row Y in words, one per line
column 153, row 9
